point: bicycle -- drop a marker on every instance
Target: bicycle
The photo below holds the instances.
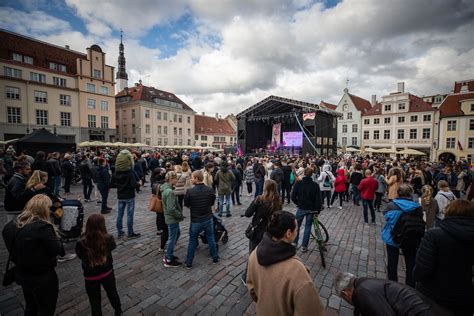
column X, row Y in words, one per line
column 320, row 233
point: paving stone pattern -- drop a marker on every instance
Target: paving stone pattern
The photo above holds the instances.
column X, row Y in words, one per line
column 147, row 288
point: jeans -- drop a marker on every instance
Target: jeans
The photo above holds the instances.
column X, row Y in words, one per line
column 194, row 229
column 285, row 192
column 300, row 215
column 249, row 187
column 236, row 195
column 161, row 225
column 259, row 187
column 56, row 185
column 340, row 197
column 378, row 200
column 227, row 203
column 87, row 187
column 104, row 193
column 326, row 195
column 368, row 204
column 93, row 292
column 41, row 293
column 67, row 184
column 392, row 264
column 355, row 194
column 130, row 205
column 173, row 236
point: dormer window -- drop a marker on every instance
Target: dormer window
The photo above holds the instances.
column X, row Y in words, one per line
column 464, row 87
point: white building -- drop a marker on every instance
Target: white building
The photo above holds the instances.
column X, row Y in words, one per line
column 349, row 125
column 402, row 120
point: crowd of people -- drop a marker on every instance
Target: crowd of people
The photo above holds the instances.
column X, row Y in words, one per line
column 426, row 207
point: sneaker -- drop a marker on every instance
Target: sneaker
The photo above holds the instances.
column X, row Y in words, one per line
column 171, row 264
column 161, row 250
column 99, row 202
column 105, row 212
column 215, row 261
column 228, row 215
column 304, row 249
column 220, row 215
column 120, row 235
column 340, row 207
column 108, row 208
column 188, row 266
column 174, row 258
column 87, row 200
column 134, row 235
column 243, row 281
column 67, row 257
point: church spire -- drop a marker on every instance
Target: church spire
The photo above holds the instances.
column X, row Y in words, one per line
column 122, row 77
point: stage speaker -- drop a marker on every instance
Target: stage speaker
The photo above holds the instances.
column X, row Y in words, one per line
column 241, row 134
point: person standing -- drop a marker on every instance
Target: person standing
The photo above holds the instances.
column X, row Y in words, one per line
column 85, row 169
column 34, row 245
column 236, row 184
column 394, row 180
column 126, row 183
column 326, row 180
column 208, row 177
column 339, row 187
column 103, row 179
column 173, row 216
column 444, row 197
column 68, row 171
column 277, row 175
column 259, row 175
column 200, row 200
column 184, row 181
column 429, row 205
column 286, row 184
column 54, row 173
column 249, row 177
column 95, row 251
column 224, row 179
column 16, row 194
column 307, row 197
column 367, row 188
column 355, row 179
column 382, row 187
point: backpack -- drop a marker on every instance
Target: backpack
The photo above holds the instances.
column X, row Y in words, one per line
column 409, row 229
column 327, row 181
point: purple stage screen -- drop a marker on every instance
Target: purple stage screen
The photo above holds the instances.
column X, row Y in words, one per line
column 293, row 139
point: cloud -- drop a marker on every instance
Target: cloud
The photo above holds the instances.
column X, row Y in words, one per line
column 34, row 22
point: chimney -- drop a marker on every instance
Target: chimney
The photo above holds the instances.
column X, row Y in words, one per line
column 203, row 113
column 401, row 87
column 136, row 84
column 217, row 115
column 374, row 99
column 67, row 46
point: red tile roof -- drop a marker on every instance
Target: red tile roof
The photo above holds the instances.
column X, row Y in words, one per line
column 328, row 105
column 459, row 84
column 416, row 105
column 212, row 125
column 375, row 110
column 42, row 52
column 451, row 106
column 143, row 93
column 362, row 105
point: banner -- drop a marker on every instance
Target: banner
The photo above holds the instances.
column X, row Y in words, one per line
column 309, row 116
column 276, row 134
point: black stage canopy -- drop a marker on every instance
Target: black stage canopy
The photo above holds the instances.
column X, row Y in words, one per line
column 43, row 140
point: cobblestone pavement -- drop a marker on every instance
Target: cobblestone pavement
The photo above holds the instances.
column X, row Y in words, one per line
column 147, row 288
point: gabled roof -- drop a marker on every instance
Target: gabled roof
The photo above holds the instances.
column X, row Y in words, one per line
column 375, row 110
column 143, row 93
column 362, row 105
column 468, row 83
column 418, row 105
column 212, row 125
column 328, row 105
column 451, row 106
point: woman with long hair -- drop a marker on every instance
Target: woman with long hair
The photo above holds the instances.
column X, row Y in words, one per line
column 95, row 251
column 184, row 181
column 34, row 244
column 261, row 210
column 394, row 179
column 429, row 205
column 249, row 177
column 38, row 177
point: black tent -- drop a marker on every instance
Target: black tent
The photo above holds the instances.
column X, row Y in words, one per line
column 43, row 140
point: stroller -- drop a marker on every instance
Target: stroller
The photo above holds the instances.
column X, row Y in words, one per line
column 220, row 232
column 72, row 219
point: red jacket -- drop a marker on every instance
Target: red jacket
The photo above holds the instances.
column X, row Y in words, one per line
column 340, row 184
column 367, row 188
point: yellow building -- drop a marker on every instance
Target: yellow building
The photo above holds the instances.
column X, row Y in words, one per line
column 214, row 132
column 456, row 125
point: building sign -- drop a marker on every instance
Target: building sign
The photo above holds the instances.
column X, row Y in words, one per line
column 309, row 116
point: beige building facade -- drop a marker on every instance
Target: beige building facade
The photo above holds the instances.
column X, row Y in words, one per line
column 214, row 132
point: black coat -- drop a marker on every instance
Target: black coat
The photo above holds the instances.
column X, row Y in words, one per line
column 277, row 176
column 200, row 199
column 102, row 177
column 444, row 264
column 374, row 297
column 16, row 195
column 286, row 175
column 54, row 168
column 90, row 271
column 307, row 195
column 126, row 183
column 67, row 168
column 258, row 211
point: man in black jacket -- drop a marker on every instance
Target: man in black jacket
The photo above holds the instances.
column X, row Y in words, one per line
column 259, row 174
column 307, row 197
column 54, row 173
column 200, row 200
column 383, row 297
column 102, row 177
column 286, row 184
column 277, row 175
column 68, row 171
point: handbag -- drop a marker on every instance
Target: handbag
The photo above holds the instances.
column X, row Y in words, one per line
column 155, row 204
column 252, row 228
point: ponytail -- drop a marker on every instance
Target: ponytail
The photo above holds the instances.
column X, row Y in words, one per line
column 280, row 222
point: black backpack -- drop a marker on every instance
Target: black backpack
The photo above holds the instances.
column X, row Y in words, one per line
column 409, row 229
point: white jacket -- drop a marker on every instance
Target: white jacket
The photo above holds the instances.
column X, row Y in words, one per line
column 443, row 199
column 322, row 178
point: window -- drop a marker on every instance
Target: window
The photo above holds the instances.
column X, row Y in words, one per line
column 344, row 128
column 367, row 121
column 180, row 119
column 58, row 67
column 377, row 121
column 65, row 118
column 147, row 129
column 427, row 118
column 28, row 60
column 158, row 129
column 147, row 114
column 91, row 122
column 165, row 116
column 175, row 117
column 196, row 137
column 104, row 90
column 97, row 73
column 387, row 120
column 12, row 93
column 426, row 133
column 158, row 116
column 413, row 118
column 91, row 104
column 180, row 131
column 104, row 122
column 401, row 134
column 37, row 77
column 413, row 133
column 386, row 134
column 354, row 128
column 401, row 106
column 133, row 113
column 21, row 58
column 366, row 134
column 376, row 134
column 189, row 132
column 180, row 142
column 344, row 141
column 175, row 142
column 401, row 119
column 134, row 129
column 147, row 141
column 41, row 97
column 175, row 131
column 13, row 115
column 450, row 142
column 388, row 107
column 349, row 115
column 59, row 81
column 17, row 57
column 189, row 119
column 165, row 130
column 165, row 141
column 65, row 100
column 354, row 141
column 203, row 137
column 471, row 124
column 158, row 142
column 469, row 158
column 470, row 142
column 189, row 141
column 12, row 72
column 41, row 117
column 90, row 87
column 451, row 125
column 104, row 105
column 472, row 105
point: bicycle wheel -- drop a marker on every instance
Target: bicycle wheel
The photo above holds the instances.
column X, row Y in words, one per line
column 322, row 249
column 324, row 232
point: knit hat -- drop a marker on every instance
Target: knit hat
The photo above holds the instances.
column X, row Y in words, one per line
column 124, row 161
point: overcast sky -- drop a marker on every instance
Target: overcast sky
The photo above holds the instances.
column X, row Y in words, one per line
column 225, row 55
